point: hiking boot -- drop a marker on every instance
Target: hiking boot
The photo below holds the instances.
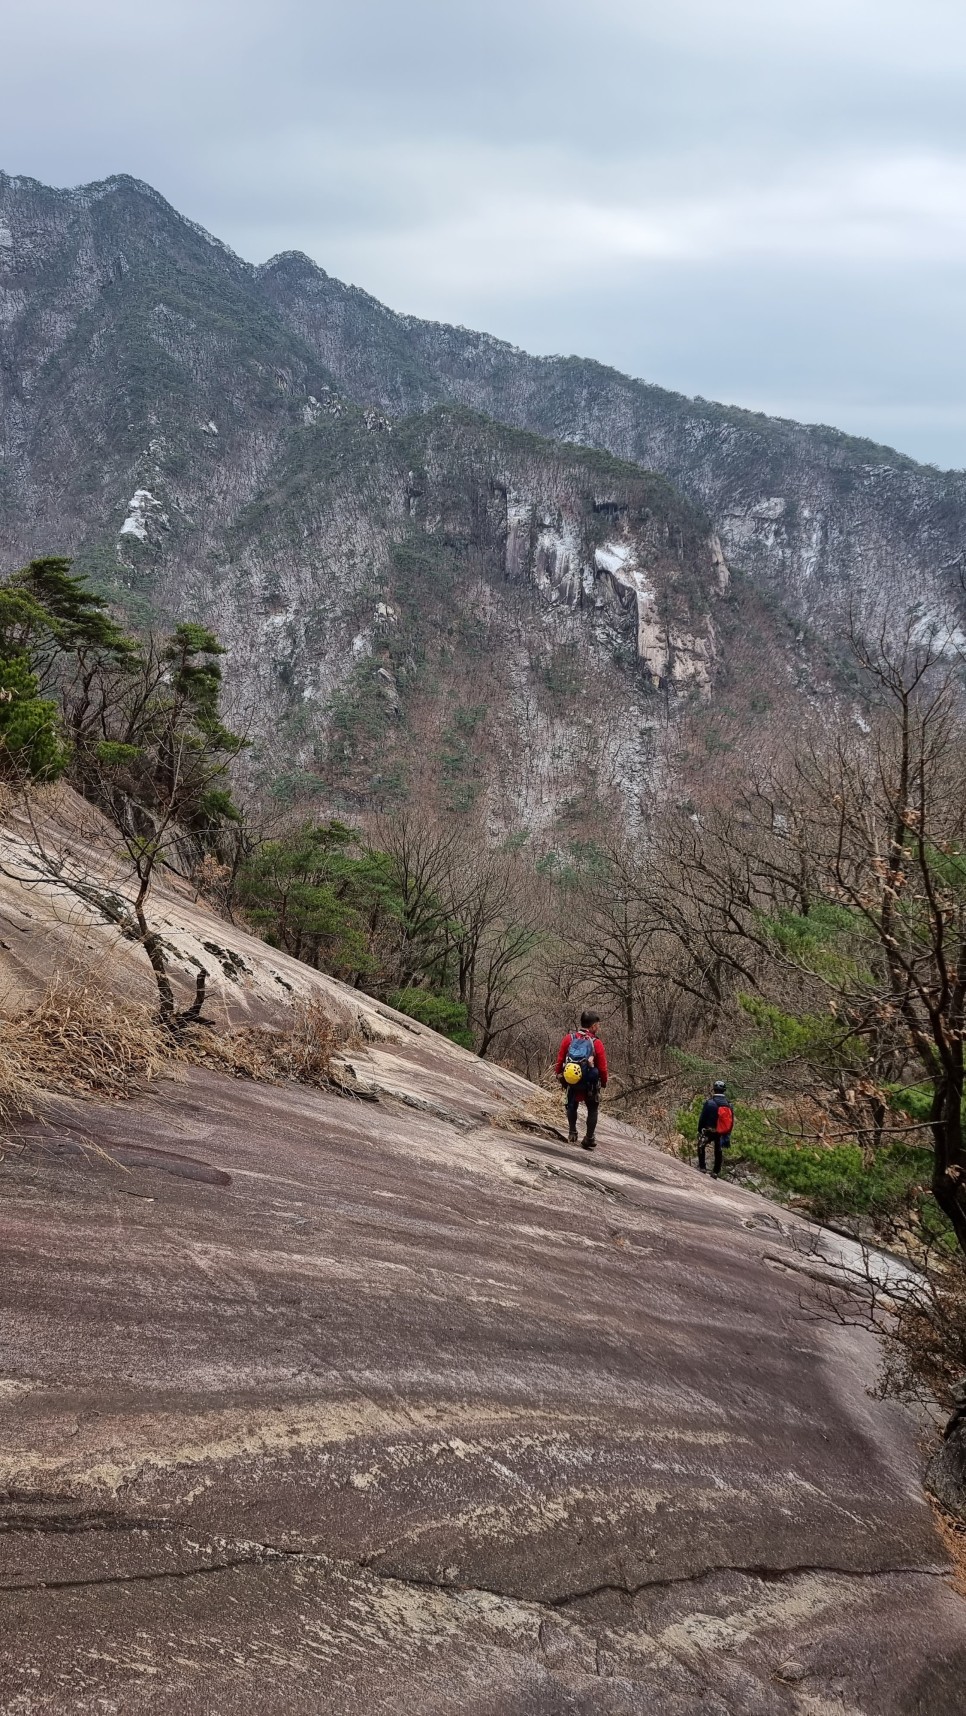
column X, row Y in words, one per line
column 701, row 1168
column 589, row 1144
column 571, row 1137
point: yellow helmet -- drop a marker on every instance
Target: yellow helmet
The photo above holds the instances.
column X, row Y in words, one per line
column 572, row 1072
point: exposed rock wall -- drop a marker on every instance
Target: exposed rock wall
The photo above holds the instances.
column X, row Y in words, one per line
column 818, row 516
column 254, row 446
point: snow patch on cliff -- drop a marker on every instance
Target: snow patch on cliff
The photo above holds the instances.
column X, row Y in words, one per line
column 684, row 659
column 556, row 559
column 141, row 507
column 940, row 634
column 549, row 547
column 614, row 556
column 618, row 559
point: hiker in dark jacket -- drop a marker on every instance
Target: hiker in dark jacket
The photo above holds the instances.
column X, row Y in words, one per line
column 715, row 1122
column 582, row 1070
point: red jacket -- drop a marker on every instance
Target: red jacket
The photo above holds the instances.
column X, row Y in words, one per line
column 600, row 1054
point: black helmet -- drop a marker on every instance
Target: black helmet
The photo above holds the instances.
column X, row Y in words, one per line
column 719, row 1087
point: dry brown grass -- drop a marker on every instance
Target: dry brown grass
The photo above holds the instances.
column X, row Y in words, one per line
column 953, row 1535
column 301, row 1050
column 542, row 1112
column 17, row 1092
column 79, row 1040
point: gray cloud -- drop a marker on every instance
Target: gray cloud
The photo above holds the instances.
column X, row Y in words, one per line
column 758, row 201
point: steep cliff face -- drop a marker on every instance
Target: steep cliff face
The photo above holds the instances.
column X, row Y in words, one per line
column 448, row 600
column 397, row 525
column 818, row 516
column 381, row 579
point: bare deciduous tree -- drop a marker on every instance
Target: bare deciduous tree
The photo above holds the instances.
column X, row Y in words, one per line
column 864, row 813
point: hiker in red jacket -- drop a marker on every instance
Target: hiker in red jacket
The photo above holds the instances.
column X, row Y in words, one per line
column 582, row 1071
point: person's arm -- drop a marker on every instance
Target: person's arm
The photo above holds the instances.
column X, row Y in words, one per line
column 562, row 1053
column 600, row 1056
column 707, row 1119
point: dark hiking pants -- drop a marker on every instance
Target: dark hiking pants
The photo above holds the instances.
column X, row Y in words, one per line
column 588, row 1093
column 718, row 1139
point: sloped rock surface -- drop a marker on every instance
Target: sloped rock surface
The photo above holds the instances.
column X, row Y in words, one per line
column 401, row 1409
column 61, row 876
column 314, row 1402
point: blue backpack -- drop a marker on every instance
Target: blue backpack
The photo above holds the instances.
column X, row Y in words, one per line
column 581, row 1053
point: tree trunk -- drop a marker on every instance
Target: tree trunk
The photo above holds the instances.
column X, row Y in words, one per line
column 151, row 942
column 949, row 1170
column 233, row 877
column 194, row 1011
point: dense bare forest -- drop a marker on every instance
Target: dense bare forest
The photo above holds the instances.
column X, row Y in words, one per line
column 790, row 918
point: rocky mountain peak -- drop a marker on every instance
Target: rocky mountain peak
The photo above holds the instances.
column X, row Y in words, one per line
column 556, row 511
column 294, row 267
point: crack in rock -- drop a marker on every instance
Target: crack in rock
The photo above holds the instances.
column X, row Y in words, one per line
column 77, row 1525
column 267, row 1554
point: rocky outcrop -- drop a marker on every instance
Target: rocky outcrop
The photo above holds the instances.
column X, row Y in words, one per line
column 358, row 1406
column 165, row 424
column 816, row 516
column 255, row 447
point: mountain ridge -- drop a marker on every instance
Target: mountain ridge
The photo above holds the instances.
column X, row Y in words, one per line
column 256, row 445
column 879, row 452
column 87, row 194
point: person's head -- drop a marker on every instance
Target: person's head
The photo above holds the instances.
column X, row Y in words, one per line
column 589, row 1021
column 719, row 1087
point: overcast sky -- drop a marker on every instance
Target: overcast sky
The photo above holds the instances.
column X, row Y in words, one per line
column 761, row 201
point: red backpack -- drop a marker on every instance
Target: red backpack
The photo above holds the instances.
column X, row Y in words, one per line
column 726, row 1118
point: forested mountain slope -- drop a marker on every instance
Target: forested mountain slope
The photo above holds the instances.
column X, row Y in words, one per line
column 380, row 584
column 363, row 506
column 817, row 515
